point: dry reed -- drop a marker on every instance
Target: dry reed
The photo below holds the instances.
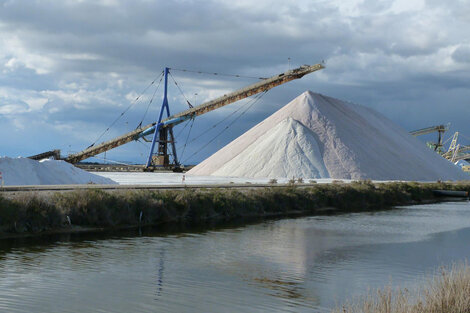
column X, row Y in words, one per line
column 446, row 292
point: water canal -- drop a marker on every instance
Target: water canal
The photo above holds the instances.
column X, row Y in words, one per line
column 290, row 265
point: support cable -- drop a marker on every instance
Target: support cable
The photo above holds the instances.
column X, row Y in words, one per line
column 108, row 160
column 217, row 74
column 150, row 102
column 257, row 98
column 143, row 144
column 127, row 109
column 182, row 129
column 187, row 138
column 447, row 140
column 181, row 91
column 224, row 119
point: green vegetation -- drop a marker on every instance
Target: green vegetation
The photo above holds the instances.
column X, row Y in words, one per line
column 447, row 292
column 39, row 212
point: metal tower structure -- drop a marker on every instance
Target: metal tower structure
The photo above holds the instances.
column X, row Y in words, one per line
column 163, row 135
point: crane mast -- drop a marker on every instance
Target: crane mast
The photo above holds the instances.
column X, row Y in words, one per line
column 162, row 129
column 440, row 129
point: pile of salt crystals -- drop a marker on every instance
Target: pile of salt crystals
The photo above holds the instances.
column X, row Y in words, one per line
column 24, row 171
column 316, row 136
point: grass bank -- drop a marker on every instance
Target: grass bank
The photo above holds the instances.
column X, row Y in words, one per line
column 32, row 213
column 447, row 292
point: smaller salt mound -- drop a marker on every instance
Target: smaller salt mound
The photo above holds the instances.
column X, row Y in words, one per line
column 291, row 149
column 23, row 171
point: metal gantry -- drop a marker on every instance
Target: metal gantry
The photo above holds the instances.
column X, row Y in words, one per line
column 162, row 130
column 440, row 129
column 163, row 134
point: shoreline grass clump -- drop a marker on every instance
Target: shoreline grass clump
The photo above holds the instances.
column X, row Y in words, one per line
column 37, row 212
column 448, row 291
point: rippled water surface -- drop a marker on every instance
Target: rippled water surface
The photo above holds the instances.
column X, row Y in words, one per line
column 291, row 265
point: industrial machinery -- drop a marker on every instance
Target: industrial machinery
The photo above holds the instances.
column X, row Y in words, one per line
column 453, row 148
column 461, row 155
column 454, row 153
column 55, row 154
column 440, row 129
column 162, row 129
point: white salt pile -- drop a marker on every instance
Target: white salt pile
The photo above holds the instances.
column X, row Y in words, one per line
column 23, row 171
column 315, row 136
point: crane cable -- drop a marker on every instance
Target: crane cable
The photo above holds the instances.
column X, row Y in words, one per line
column 447, row 140
column 150, row 102
column 109, row 160
column 127, row 109
column 187, row 137
column 217, row 74
column 221, row 121
column 181, row 91
column 182, row 129
column 254, row 101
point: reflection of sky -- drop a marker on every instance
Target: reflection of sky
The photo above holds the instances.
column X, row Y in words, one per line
column 291, row 265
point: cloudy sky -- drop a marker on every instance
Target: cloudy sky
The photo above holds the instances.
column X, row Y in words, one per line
column 68, row 69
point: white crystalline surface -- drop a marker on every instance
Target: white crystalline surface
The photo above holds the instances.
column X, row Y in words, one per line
column 316, row 136
column 291, row 149
column 23, row 171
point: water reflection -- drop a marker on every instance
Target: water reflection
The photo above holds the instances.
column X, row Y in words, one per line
column 288, row 290
column 291, row 265
column 160, row 271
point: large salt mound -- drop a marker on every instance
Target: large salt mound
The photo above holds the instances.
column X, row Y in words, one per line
column 315, row 136
column 23, row 171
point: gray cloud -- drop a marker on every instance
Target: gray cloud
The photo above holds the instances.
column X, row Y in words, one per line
column 462, row 54
column 84, row 59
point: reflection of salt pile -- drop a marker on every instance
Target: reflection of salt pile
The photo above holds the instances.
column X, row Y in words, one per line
column 23, row 171
column 315, row 136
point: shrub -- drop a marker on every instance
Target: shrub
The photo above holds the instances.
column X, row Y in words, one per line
column 98, row 208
